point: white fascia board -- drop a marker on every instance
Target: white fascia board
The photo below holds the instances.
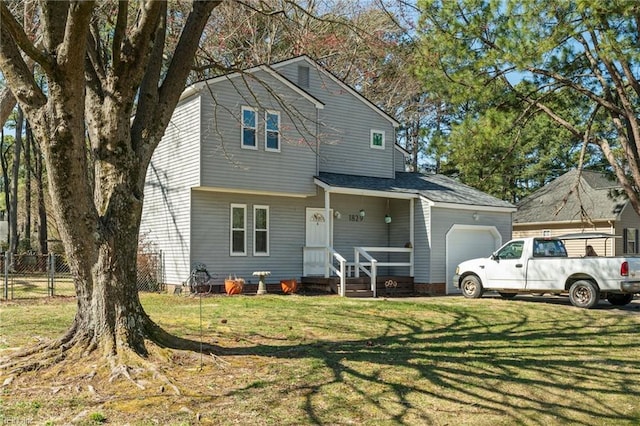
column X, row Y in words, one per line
column 563, row 222
column 341, row 83
column 251, row 192
column 473, row 207
column 196, row 87
column 364, row 192
column 402, row 150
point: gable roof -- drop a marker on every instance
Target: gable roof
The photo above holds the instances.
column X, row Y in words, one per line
column 345, row 86
column 197, row 87
column 440, row 190
column 571, row 197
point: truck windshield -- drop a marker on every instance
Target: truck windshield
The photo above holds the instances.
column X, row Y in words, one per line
column 548, row 248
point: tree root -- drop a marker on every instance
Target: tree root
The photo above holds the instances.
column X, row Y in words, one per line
column 83, row 353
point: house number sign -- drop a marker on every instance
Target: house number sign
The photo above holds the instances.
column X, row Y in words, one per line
column 355, row 218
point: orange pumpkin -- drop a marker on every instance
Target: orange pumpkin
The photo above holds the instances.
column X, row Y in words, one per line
column 233, row 286
column 289, row 286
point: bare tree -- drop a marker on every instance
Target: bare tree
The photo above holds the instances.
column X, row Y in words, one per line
column 109, row 98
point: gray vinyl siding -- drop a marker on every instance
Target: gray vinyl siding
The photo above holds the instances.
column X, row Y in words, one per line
column 399, row 233
column 346, row 127
column 442, row 219
column 370, row 232
column 210, row 243
column 225, row 164
column 422, row 242
column 399, row 161
column 172, row 172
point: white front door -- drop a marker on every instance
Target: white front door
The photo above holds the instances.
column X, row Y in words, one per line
column 315, row 255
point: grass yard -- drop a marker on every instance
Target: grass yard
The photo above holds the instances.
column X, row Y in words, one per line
column 325, row 360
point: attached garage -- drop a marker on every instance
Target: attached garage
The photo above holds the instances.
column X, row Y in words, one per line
column 464, row 242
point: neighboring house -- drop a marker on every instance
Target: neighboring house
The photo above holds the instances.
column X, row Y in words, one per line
column 579, row 202
column 270, row 168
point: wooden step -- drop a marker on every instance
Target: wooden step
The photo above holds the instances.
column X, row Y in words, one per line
column 386, row 286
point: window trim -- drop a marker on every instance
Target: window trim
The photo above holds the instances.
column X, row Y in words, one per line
column 266, row 130
column 232, row 229
column 266, row 230
column 243, row 127
column 631, row 237
column 374, row 132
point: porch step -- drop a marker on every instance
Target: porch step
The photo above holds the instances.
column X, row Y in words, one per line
column 386, row 286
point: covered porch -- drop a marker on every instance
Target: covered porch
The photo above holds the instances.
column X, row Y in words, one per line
column 361, row 242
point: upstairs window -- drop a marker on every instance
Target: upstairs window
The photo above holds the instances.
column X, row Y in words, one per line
column 249, row 128
column 377, row 139
column 238, row 234
column 272, row 131
column 260, row 230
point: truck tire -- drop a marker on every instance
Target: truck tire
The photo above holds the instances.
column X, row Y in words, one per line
column 471, row 287
column 618, row 299
column 584, row 294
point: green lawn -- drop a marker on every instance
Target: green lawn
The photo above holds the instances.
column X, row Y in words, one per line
column 292, row 360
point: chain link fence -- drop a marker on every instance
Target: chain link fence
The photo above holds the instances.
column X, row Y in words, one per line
column 32, row 275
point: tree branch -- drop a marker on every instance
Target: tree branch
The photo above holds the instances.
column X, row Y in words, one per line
column 15, row 70
column 119, row 32
column 176, row 76
column 20, row 38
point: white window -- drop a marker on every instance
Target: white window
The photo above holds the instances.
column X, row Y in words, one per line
column 272, row 131
column 377, row 139
column 630, row 241
column 249, row 128
column 238, row 230
column 261, row 230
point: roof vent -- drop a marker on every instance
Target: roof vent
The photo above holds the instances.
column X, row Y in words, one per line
column 303, row 76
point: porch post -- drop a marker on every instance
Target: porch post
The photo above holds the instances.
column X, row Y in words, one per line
column 411, row 232
column 327, row 204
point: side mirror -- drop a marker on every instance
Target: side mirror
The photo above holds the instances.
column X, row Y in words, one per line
column 494, row 256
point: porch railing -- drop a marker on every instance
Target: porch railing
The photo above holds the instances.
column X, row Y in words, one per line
column 334, row 264
column 371, row 265
column 340, row 271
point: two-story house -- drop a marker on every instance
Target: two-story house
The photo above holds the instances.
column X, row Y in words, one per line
column 285, row 168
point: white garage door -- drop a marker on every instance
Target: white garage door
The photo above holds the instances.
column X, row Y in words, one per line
column 466, row 242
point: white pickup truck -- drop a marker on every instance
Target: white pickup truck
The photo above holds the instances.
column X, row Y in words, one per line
column 541, row 265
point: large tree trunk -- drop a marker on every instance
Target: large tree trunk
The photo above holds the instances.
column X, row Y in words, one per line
column 96, row 186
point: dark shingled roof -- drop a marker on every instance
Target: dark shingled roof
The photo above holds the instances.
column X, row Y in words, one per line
column 437, row 188
column 561, row 200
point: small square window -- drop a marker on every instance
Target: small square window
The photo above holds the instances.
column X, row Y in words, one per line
column 377, row 139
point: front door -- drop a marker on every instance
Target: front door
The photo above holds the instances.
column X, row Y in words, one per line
column 315, row 255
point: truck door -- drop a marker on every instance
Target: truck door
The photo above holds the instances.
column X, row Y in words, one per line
column 507, row 267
